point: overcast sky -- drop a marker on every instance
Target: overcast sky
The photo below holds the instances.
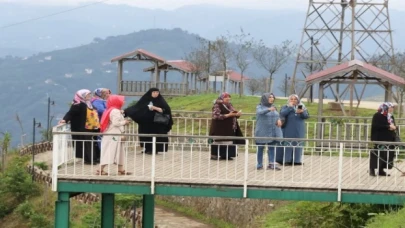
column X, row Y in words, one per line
column 172, row 4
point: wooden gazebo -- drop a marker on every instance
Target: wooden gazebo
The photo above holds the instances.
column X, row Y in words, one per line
column 188, row 71
column 347, row 75
column 138, row 88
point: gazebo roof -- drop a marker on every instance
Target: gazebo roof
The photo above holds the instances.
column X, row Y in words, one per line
column 181, row 65
column 369, row 72
column 139, row 54
column 232, row 75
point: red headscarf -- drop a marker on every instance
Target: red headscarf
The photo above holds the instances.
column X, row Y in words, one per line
column 113, row 102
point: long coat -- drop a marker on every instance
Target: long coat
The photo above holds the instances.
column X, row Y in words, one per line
column 380, row 132
column 266, row 124
column 112, row 149
column 294, row 128
column 83, row 143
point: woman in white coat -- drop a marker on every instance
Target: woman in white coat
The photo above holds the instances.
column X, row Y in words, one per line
column 113, row 122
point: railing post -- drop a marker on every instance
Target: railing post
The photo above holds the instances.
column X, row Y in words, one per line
column 339, row 196
column 152, row 181
column 246, row 168
column 55, row 161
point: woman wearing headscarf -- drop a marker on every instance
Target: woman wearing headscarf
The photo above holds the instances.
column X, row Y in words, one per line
column 294, row 115
column 268, row 124
column 143, row 113
column 382, row 129
column 83, row 118
column 99, row 100
column 224, row 123
column 112, row 148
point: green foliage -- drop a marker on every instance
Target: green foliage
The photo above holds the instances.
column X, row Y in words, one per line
column 124, row 201
column 394, row 219
column 36, row 219
column 15, row 185
column 317, row 214
column 25, row 209
column 337, row 121
column 41, row 165
column 16, row 181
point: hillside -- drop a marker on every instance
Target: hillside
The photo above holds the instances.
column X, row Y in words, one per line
column 26, row 83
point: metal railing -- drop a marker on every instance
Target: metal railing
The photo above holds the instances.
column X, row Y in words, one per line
column 199, row 126
column 141, row 87
column 333, row 165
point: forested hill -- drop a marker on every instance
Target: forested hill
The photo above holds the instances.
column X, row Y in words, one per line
column 26, row 82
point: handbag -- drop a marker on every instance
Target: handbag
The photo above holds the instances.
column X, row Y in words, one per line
column 397, row 138
column 161, row 118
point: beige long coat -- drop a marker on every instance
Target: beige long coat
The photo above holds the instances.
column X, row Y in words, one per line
column 112, row 149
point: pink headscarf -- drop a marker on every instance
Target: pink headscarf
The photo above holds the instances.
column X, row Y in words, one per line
column 80, row 98
column 113, row 102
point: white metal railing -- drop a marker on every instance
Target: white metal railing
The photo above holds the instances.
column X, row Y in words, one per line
column 196, row 126
column 330, row 165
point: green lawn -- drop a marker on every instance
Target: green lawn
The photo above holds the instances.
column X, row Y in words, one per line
column 247, row 104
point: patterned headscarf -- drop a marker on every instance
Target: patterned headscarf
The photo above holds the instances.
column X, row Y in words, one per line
column 98, row 92
column 265, row 99
column 387, row 105
column 383, row 109
column 224, row 95
column 80, row 98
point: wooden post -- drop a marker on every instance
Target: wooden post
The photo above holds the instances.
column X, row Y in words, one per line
column 119, row 77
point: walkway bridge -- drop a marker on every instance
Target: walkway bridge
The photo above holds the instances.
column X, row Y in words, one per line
column 334, row 170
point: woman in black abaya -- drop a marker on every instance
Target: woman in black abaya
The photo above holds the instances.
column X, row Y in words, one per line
column 143, row 113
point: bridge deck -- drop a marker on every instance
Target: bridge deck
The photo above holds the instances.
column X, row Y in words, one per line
column 196, row 168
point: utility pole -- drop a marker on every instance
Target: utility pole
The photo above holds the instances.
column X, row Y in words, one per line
column 285, row 85
column 311, row 92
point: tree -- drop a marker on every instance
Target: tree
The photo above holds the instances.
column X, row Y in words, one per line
column 272, row 59
column 222, row 53
column 284, row 85
column 17, row 117
column 396, row 65
column 241, row 53
column 201, row 60
column 253, row 86
column 5, row 144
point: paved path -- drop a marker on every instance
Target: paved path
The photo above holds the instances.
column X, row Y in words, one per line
column 164, row 218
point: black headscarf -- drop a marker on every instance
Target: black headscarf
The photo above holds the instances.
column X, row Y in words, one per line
column 139, row 111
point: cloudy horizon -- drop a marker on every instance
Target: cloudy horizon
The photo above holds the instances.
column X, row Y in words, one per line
column 174, row 4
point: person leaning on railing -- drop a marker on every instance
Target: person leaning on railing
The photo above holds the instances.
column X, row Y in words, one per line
column 83, row 118
column 383, row 129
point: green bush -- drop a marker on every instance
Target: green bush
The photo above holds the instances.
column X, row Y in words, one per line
column 41, row 165
column 38, row 220
column 17, row 182
column 25, row 210
column 125, row 202
column 318, row 214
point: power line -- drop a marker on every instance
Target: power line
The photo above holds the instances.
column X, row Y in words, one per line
column 53, row 14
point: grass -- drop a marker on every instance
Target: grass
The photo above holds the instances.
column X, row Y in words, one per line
column 248, row 104
column 390, row 220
